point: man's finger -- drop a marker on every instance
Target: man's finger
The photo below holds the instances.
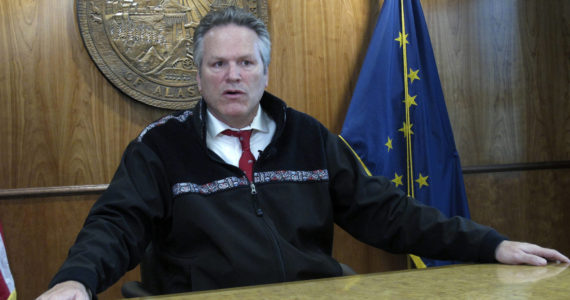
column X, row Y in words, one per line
column 532, row 259
column 549, row 254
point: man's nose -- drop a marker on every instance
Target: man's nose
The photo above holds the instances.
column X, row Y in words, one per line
column 234, row 72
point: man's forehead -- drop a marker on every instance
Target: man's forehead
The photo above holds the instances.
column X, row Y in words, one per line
column 230, row 29
column 238, row 40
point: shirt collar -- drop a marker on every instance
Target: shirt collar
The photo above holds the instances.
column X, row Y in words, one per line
column 260, row 123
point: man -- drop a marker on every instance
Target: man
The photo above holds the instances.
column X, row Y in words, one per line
column 212, row 211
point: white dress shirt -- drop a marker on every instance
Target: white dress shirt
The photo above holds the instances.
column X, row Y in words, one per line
column 229, row 147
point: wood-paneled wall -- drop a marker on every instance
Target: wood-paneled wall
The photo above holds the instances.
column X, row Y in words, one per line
column 504, row 67
column 505, row 71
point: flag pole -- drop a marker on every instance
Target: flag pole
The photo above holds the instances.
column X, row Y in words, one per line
column 408, row 126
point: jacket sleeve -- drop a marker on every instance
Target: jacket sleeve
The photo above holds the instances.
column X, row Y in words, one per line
column 375, row 212
column 118, row 227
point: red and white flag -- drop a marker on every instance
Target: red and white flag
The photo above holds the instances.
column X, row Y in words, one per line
column 7, row 287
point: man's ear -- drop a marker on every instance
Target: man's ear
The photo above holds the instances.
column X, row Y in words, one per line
column 199, row 81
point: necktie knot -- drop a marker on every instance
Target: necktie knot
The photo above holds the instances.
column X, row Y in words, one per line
column 242, row 135
column 247, row 159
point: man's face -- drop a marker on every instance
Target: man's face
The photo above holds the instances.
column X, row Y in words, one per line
column 231, row 78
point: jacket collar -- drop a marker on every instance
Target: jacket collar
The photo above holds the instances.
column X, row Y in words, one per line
column 275, row 108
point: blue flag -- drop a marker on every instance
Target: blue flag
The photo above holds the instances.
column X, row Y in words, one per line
column 397, row 122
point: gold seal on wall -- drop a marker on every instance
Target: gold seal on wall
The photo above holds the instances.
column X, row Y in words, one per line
column 144, row 47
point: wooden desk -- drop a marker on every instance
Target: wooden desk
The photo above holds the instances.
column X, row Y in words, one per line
column 489, row 281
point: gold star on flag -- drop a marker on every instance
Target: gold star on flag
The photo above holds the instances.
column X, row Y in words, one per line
column 413, row 75
column 402, row 39
column 406, row 128
column 422, row 181
column 397, row 179
column 389, row 144
column 410, row 101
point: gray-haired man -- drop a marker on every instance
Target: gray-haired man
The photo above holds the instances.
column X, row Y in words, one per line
column 182, row 195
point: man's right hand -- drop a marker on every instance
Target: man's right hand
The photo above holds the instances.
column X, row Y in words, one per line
column 67, row 290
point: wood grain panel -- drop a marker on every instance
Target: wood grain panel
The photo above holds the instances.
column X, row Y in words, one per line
column 505, row 71
column 318, row 47
column 38, row 233
column 63, row 122
column 532, row 206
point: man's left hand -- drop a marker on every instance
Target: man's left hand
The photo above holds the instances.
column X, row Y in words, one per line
column 516, row 253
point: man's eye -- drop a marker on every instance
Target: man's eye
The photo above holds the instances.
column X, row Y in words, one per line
column 247, row 62
column 217, row 64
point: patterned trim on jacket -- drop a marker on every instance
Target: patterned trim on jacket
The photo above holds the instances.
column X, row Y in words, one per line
column 259, row 177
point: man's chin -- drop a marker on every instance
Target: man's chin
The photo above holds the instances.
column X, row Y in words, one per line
column 238, row 116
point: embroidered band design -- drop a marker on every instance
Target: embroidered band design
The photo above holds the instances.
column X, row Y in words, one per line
column 260, row 177
column 209, row 188
column 291, row 176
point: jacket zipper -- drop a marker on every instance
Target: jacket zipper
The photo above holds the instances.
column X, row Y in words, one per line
column 259, row 212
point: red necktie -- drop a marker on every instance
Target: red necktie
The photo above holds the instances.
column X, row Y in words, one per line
column 247, row 159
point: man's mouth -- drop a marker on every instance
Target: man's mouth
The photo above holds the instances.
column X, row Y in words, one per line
column 233, row 92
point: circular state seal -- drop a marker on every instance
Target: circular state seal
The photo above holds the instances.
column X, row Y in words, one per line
column 144, row 47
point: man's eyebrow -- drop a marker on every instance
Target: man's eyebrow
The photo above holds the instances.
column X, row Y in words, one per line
column 216, row 58
column 246, row 56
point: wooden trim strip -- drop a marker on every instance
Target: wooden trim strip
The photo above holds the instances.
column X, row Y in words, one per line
column 72, row 190
column 549, row 165
column 53, row 191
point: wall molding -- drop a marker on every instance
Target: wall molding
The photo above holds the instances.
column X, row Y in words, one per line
column 548, row 165
column 53, row 191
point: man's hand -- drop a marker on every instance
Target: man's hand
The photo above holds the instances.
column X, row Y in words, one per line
column 67, row 290
column 516, row 253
